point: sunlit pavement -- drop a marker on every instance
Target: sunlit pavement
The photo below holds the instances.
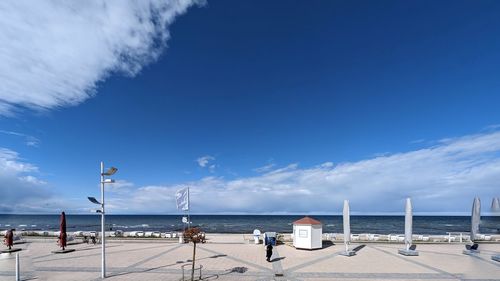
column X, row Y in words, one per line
column 224, row 258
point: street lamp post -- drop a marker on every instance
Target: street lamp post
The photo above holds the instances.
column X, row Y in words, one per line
column 103, row 231
column 109, row 172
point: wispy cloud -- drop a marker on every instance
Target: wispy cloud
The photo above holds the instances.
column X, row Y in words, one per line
column 418, row 141
column 120, row 186
column 20, row 189
column 10, row 162
column 207, row 161
column 32, row 180
column 493, row 127
column 440, row 178
column 28, row 140
column 265, row 168
column 203, row 161
column 54, row 53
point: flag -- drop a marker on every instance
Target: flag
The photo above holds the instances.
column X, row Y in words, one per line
column 182, row 199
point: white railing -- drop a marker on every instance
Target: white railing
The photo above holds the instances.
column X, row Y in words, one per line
column 188, row 275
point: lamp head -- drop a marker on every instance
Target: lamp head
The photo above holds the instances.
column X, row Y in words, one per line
column 93, row 200
column 110, row 171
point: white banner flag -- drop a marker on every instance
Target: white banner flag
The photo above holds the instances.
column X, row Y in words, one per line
column 182, row 199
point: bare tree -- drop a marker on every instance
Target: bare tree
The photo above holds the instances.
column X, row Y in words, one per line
column 195, row 236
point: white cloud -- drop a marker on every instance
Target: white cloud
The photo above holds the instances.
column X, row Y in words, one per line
column 418, row 141
column 32, row 180
column 10, row 163
column 54, row 53
column 327, row 165
column 20, row 190
column 442, row 178
column 204, row 161
column 28, row 140
column 120, row 186
column 212, row 167
column 265, row 168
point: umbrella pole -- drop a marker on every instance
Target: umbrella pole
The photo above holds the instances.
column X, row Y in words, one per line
column 189, row 210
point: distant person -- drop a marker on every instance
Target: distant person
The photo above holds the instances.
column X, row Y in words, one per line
column 93, row 238
column 269, row 252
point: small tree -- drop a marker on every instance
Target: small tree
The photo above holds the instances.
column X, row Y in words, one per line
column 195, row 236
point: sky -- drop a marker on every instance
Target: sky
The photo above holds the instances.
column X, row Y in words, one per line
column 260, row 107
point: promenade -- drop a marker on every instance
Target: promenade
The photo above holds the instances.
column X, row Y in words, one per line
column 228, row 257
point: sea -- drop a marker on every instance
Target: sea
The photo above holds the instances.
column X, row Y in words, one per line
column 247, row 223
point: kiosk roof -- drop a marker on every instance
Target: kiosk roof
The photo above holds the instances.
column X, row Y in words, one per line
column 307, row 220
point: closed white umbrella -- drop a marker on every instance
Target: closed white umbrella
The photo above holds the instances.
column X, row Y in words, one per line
column 495, row 205
column 475, row 218
column 347, row 225
column 408, row 223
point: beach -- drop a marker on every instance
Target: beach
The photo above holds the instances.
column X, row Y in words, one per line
column 232, row 257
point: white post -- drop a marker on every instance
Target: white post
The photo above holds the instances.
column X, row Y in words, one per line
column 103, row 239
column 449, row 237
column 189, row 209
column 18, row 274
column 461, row 237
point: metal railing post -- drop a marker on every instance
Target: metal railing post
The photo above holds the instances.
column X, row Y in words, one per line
column 18, row 274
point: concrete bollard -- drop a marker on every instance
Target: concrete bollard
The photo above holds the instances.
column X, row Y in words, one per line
column 18, row 274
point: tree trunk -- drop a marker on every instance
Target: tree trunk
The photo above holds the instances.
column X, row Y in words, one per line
column 194, row 256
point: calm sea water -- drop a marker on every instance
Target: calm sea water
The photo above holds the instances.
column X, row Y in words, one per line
column 247, row 223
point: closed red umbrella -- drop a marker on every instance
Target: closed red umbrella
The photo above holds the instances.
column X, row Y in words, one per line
column 62, row 234
column 9, row 238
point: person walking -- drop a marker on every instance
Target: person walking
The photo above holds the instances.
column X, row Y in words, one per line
column 269, row 252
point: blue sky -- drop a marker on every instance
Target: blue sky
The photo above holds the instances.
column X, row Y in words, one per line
column 268, row 106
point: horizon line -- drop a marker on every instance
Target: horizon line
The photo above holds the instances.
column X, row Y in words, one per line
column 416, row 214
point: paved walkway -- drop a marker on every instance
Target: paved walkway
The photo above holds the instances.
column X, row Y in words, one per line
column 233, row 260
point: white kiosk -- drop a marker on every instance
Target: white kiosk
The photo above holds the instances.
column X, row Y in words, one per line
column 307, row 234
